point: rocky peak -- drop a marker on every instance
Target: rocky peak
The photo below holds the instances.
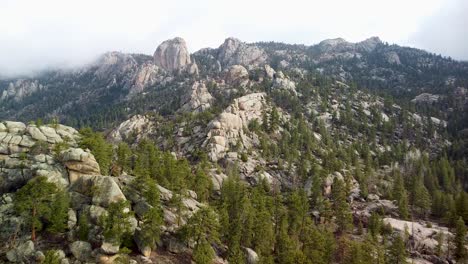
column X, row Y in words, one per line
column 19, row 89
column 369, row 44
column 172, row 55
column 234, row 51
column 114, row 63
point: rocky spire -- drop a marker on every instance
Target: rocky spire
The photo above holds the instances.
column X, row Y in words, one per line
column 172, row 55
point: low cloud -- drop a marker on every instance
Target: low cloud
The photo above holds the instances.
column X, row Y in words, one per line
column 35, row 35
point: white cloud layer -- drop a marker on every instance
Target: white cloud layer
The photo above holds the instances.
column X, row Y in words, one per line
column 38, row 34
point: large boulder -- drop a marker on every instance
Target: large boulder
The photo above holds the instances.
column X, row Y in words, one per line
column 79, row 163
column 172, row 55
column 425, row 238
column 237, row 74
column 136, row 125
column 103, row 189
column 21, row 253
column 81, row 250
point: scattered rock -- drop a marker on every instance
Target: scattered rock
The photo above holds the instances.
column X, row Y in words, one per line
column 81, row 250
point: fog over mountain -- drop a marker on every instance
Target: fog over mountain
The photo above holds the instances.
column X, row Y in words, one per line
column 37, row 35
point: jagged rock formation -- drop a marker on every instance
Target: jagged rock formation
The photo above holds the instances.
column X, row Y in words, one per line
column 134, row 126
column 172, row 55
column 234, row 52
column 26, row 152
column 196, row 99
column 425, row 237
column 229, row 127
column 20, row 89
column 426, row 98
column 237, row 74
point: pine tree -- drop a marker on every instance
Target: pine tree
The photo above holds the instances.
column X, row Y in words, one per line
column 124, row 155
column 318, row 243
column 101, row 150
column 298, row 208
column 460, row 233
column 422, row 198
column 203, row 185
column 203, row 253
column 116, row 222
column 400, row 195
column 151, row 227
column 83, row 226
column 341, row 206
column 397, row 252
column 58, row 214
column 33, row 201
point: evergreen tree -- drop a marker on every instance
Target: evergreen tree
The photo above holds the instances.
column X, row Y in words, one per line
column 203, row 253
column 34, row 202
column 58, row 214
column 83, row 226
column 318, row 243
column 400, row 195
column 203, row 185
column 397, row 252
column 124, row 156
column 101, row 150
column 341, row 206
column 460, row 233
column 116, row 222
column 422, row 198
column 151, row 227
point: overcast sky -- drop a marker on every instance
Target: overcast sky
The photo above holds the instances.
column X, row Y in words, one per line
column 36, row 34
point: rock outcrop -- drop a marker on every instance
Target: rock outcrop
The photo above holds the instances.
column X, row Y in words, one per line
column 425, row 238
column 21, row 88
column 237, row 74
column 172, row 55
column 236, row 52
column 228, row 128
column 134, row 126
column 26, row 151
column 114, row 64
column 197, row 98
column 147, row 75
column 79, row 163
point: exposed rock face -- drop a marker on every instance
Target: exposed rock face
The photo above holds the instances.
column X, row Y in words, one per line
column 147, row 75
column 426, row 98
column 369, row 44
column 26, row 152
column 233, row 52
column 283, row 82
column 228, row 128
column 81, row 250
column 172, row 55
column 103, row 189
column 133, row 126
column 22, row 253
column 79, row 163
column 197, row 98
column 424, row 237
column 20, row 89
column 113, row 64
column 392, row 58
column 237, row 74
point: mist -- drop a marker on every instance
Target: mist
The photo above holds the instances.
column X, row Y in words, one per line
column 39, row 35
